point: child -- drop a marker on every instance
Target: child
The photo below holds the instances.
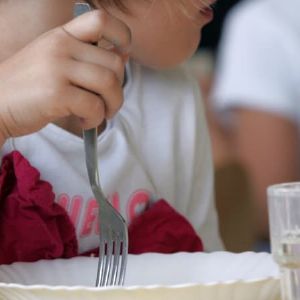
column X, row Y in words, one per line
column 54, row 83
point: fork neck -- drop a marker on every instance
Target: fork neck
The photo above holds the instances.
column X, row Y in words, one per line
column 73, row 125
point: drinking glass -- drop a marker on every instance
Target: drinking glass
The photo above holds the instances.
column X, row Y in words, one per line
column 284, row 219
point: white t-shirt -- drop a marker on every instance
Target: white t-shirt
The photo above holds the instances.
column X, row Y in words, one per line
column 259, row 63
column 156, row 147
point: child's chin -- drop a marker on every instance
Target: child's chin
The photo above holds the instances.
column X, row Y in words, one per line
column 165, row 64
column 172, row 62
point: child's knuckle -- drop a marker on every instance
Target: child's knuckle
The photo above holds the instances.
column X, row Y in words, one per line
column 99, row 19
column 53, row 91
column 51, row 71
column 109, row 79
column 98, row 107
column 50, row 93
column 57, row 41
column 117, row 63
column 126, row 38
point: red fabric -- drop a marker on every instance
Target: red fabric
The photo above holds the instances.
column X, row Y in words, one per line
column 160, row 229
column 32, row 225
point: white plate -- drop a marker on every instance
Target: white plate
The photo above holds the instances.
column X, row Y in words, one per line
column 215, row 276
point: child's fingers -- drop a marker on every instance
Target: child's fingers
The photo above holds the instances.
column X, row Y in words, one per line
column 98, row 56
column 99, row 80
column 86, row 106
column 93, row 26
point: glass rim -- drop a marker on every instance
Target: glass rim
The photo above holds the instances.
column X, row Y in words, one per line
column 284, row 189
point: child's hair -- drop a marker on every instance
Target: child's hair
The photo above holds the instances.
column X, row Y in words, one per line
column 118, row 3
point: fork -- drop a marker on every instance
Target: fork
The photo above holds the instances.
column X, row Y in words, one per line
column 113, row 248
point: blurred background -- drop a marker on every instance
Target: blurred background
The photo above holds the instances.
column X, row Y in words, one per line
column 249, row 74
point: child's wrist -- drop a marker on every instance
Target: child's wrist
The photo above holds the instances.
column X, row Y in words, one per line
column 3, row 136
column 2, row 139
column 2, row 143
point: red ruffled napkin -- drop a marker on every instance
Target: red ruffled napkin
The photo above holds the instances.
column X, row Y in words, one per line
column 162, row 229
column 34, row 227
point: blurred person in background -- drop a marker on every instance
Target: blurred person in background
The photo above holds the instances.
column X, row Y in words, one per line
column 232, row 189
column 203, row 61
column 257, row 93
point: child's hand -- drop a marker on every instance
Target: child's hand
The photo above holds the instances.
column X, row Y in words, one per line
column 62, row 74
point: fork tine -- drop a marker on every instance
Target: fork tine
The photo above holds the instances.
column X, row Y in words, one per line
column 123, row 259
column 109, row 256
column 102, row 258
column 113, row 251
column 116, row 262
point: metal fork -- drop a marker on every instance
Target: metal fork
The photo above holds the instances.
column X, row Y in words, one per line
column 113, row 248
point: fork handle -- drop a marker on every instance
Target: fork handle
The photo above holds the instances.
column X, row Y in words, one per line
column 90, row 142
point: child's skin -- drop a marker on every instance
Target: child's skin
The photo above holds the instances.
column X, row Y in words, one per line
column 58, row 76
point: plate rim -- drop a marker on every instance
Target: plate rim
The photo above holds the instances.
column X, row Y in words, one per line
column 136, row 287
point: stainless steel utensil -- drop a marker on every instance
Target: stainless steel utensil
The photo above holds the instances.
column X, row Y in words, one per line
column 113, row 247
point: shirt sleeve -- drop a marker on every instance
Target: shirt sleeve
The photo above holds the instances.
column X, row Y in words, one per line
column 254, row 67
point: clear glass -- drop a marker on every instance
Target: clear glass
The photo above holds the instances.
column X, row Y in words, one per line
column 284, row 218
